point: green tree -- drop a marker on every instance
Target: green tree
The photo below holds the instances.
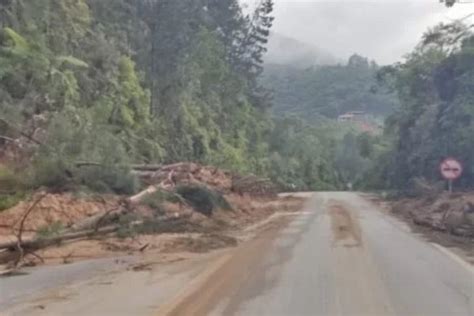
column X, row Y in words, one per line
column 435, row 88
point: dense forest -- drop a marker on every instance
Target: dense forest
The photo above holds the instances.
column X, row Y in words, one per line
column 116, row 82
column 426, row 100
column 328, row 90
column 157, row 79
column 120, row 82
column 435, row 86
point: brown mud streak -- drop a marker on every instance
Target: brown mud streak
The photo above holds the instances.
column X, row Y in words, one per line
column 345, row 227
column 222, row 283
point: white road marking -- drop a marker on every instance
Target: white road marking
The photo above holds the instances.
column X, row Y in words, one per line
column 454, row 257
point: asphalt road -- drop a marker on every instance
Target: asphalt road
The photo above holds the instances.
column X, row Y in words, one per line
column 344, row 257
column 338, row 256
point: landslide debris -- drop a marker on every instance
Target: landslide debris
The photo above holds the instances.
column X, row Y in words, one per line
column 452, row 213
column 186, row 207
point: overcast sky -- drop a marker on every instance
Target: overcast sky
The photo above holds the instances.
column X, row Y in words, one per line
column 383, row 30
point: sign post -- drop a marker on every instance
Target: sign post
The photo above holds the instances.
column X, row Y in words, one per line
column 451, row 169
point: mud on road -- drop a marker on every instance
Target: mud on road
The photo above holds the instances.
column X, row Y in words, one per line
column 168, row 265
column 340, row 256
column 345, row 228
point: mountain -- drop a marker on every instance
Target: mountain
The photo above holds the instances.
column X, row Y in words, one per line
column 328, row 90
column 283, row 50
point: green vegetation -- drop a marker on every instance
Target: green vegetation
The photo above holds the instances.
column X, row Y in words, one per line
column 11, row 189
column 308, row 148
column 435, row 86
column 116, row 82
column 120, row 81
column 301, row 154
column 202, row 199
column 329, row 90
column 9, row 200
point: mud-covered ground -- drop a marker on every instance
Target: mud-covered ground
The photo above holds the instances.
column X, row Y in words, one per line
column 196, row 234
column 156, row 273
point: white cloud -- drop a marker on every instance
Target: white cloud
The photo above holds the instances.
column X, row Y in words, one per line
column 384, row 30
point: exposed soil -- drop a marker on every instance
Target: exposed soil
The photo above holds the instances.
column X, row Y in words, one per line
column 345, row 228
column 149, row 221
column 66, row 209
column 200, row 244
column 452, row 213
column 221, row 282
column 195, row 234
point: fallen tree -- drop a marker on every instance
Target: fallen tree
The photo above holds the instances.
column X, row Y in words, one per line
column 9, row 251
column 212, row 182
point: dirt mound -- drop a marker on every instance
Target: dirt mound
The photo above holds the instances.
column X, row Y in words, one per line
column 186, row 174
column 66, row 209
column 453, row 213
column 181, row 199
column 195, row 233
column 211, row 177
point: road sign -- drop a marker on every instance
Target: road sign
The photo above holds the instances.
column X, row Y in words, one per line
column 451, row 169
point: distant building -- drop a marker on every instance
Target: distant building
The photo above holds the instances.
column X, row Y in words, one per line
column 354, row 116
column 361, row 120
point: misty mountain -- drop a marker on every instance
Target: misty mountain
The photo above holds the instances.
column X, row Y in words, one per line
column 328, row 90
column 283, row 50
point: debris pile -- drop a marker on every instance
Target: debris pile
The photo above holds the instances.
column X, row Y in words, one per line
column 183, row 198
column 169, row 176
column 451, row 213
column 66, row 208
column 253, row 185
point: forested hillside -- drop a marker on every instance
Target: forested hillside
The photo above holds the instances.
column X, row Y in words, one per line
column 328, row 90
column 89, row 87
column 158, row 79
column 116, row 82
column 435, row 85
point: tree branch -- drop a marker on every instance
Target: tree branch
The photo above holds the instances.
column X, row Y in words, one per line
column 19, row 235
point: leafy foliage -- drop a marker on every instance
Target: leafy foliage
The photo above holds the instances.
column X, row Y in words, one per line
column 302, row 155
column 328, row 90
column 202, row 199
column 121, row 81
column 436, row 119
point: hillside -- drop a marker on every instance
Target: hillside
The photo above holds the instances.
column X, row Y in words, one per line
column 86, row 95
column 328, row 90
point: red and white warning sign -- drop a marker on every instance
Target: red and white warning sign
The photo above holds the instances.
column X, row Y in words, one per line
column 451, row 169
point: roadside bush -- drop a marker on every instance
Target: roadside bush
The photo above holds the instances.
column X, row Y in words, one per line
column 52, row 173
column 10, row 200
column 12, row 188
column 155, row 201
column 127, row 229
column 9, row 182
column 58, row 175
column 108, row 179
column 202, row 199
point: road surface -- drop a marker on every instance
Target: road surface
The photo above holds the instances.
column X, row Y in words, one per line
column 341, row 256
